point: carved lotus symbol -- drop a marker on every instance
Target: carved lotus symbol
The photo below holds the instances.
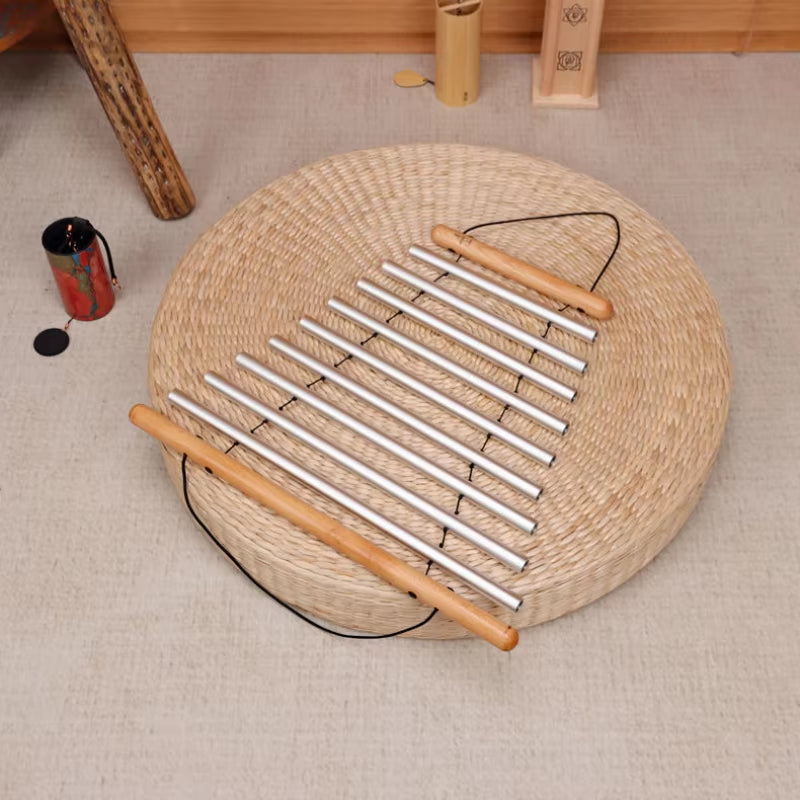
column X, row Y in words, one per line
column 569, row 59
column 575, row 14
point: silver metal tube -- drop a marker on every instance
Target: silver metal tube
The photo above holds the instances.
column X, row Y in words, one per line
column 429, row 393
column 538, row 343
column 379, row 479
column 434, row 554
column 392, row 446
column 512, row 400
column 462, row 337
column 553, row 317
column 472, row 456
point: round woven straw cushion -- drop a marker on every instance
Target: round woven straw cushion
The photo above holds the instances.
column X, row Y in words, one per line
column 644, row 430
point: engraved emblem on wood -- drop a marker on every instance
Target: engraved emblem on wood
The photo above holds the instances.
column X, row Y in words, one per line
column 574, row 14
column 569, row 60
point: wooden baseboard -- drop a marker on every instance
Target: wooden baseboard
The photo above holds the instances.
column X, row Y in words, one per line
column 406, row 26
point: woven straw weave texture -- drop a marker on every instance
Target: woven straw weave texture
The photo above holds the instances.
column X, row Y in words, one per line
column 645, row 427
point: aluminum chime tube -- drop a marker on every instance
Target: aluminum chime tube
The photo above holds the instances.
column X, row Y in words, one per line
column 516, row 299
column 469, row 454
column 434, row 554
column 544, row 418
column 428, row 392
column 445, row 477
column 467, row 340
column 538, row 343
column 453, row 523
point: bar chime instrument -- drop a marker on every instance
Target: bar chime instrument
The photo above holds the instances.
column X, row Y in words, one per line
column 348, row 542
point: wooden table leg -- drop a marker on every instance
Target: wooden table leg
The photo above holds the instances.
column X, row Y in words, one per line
column 101, row 49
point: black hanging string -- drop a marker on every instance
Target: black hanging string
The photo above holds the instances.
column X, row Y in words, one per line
column 110, row 259
column 270, row 594
column 607, row 214
column 433, row 613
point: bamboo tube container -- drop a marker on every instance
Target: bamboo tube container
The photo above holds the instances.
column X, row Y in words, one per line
column 458, row 51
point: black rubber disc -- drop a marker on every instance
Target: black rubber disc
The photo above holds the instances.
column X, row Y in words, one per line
column 51, row 342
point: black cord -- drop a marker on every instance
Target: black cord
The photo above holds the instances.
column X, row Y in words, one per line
column 110, row 259
column 277, row 599
column 562, row 216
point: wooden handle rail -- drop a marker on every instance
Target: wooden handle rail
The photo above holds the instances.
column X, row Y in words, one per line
column 522, row 272
column 392, row 569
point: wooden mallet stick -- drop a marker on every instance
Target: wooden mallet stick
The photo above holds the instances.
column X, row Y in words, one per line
column 535, row 278
column 351, row 544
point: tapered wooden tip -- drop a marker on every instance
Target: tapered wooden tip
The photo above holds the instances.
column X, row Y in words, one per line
column 510, row 640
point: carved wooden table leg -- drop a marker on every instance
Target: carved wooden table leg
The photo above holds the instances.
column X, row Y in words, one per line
column 98, row 42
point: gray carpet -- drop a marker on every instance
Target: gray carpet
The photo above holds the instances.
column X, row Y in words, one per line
column 135, row 662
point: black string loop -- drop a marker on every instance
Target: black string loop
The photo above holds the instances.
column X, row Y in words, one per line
column 273, row 596
column 539, row 217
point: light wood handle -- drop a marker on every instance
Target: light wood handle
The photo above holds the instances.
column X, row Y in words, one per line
column 504, row 264
column 393, row 570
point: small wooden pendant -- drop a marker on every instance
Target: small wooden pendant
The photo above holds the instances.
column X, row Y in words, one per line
column 408, row 79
